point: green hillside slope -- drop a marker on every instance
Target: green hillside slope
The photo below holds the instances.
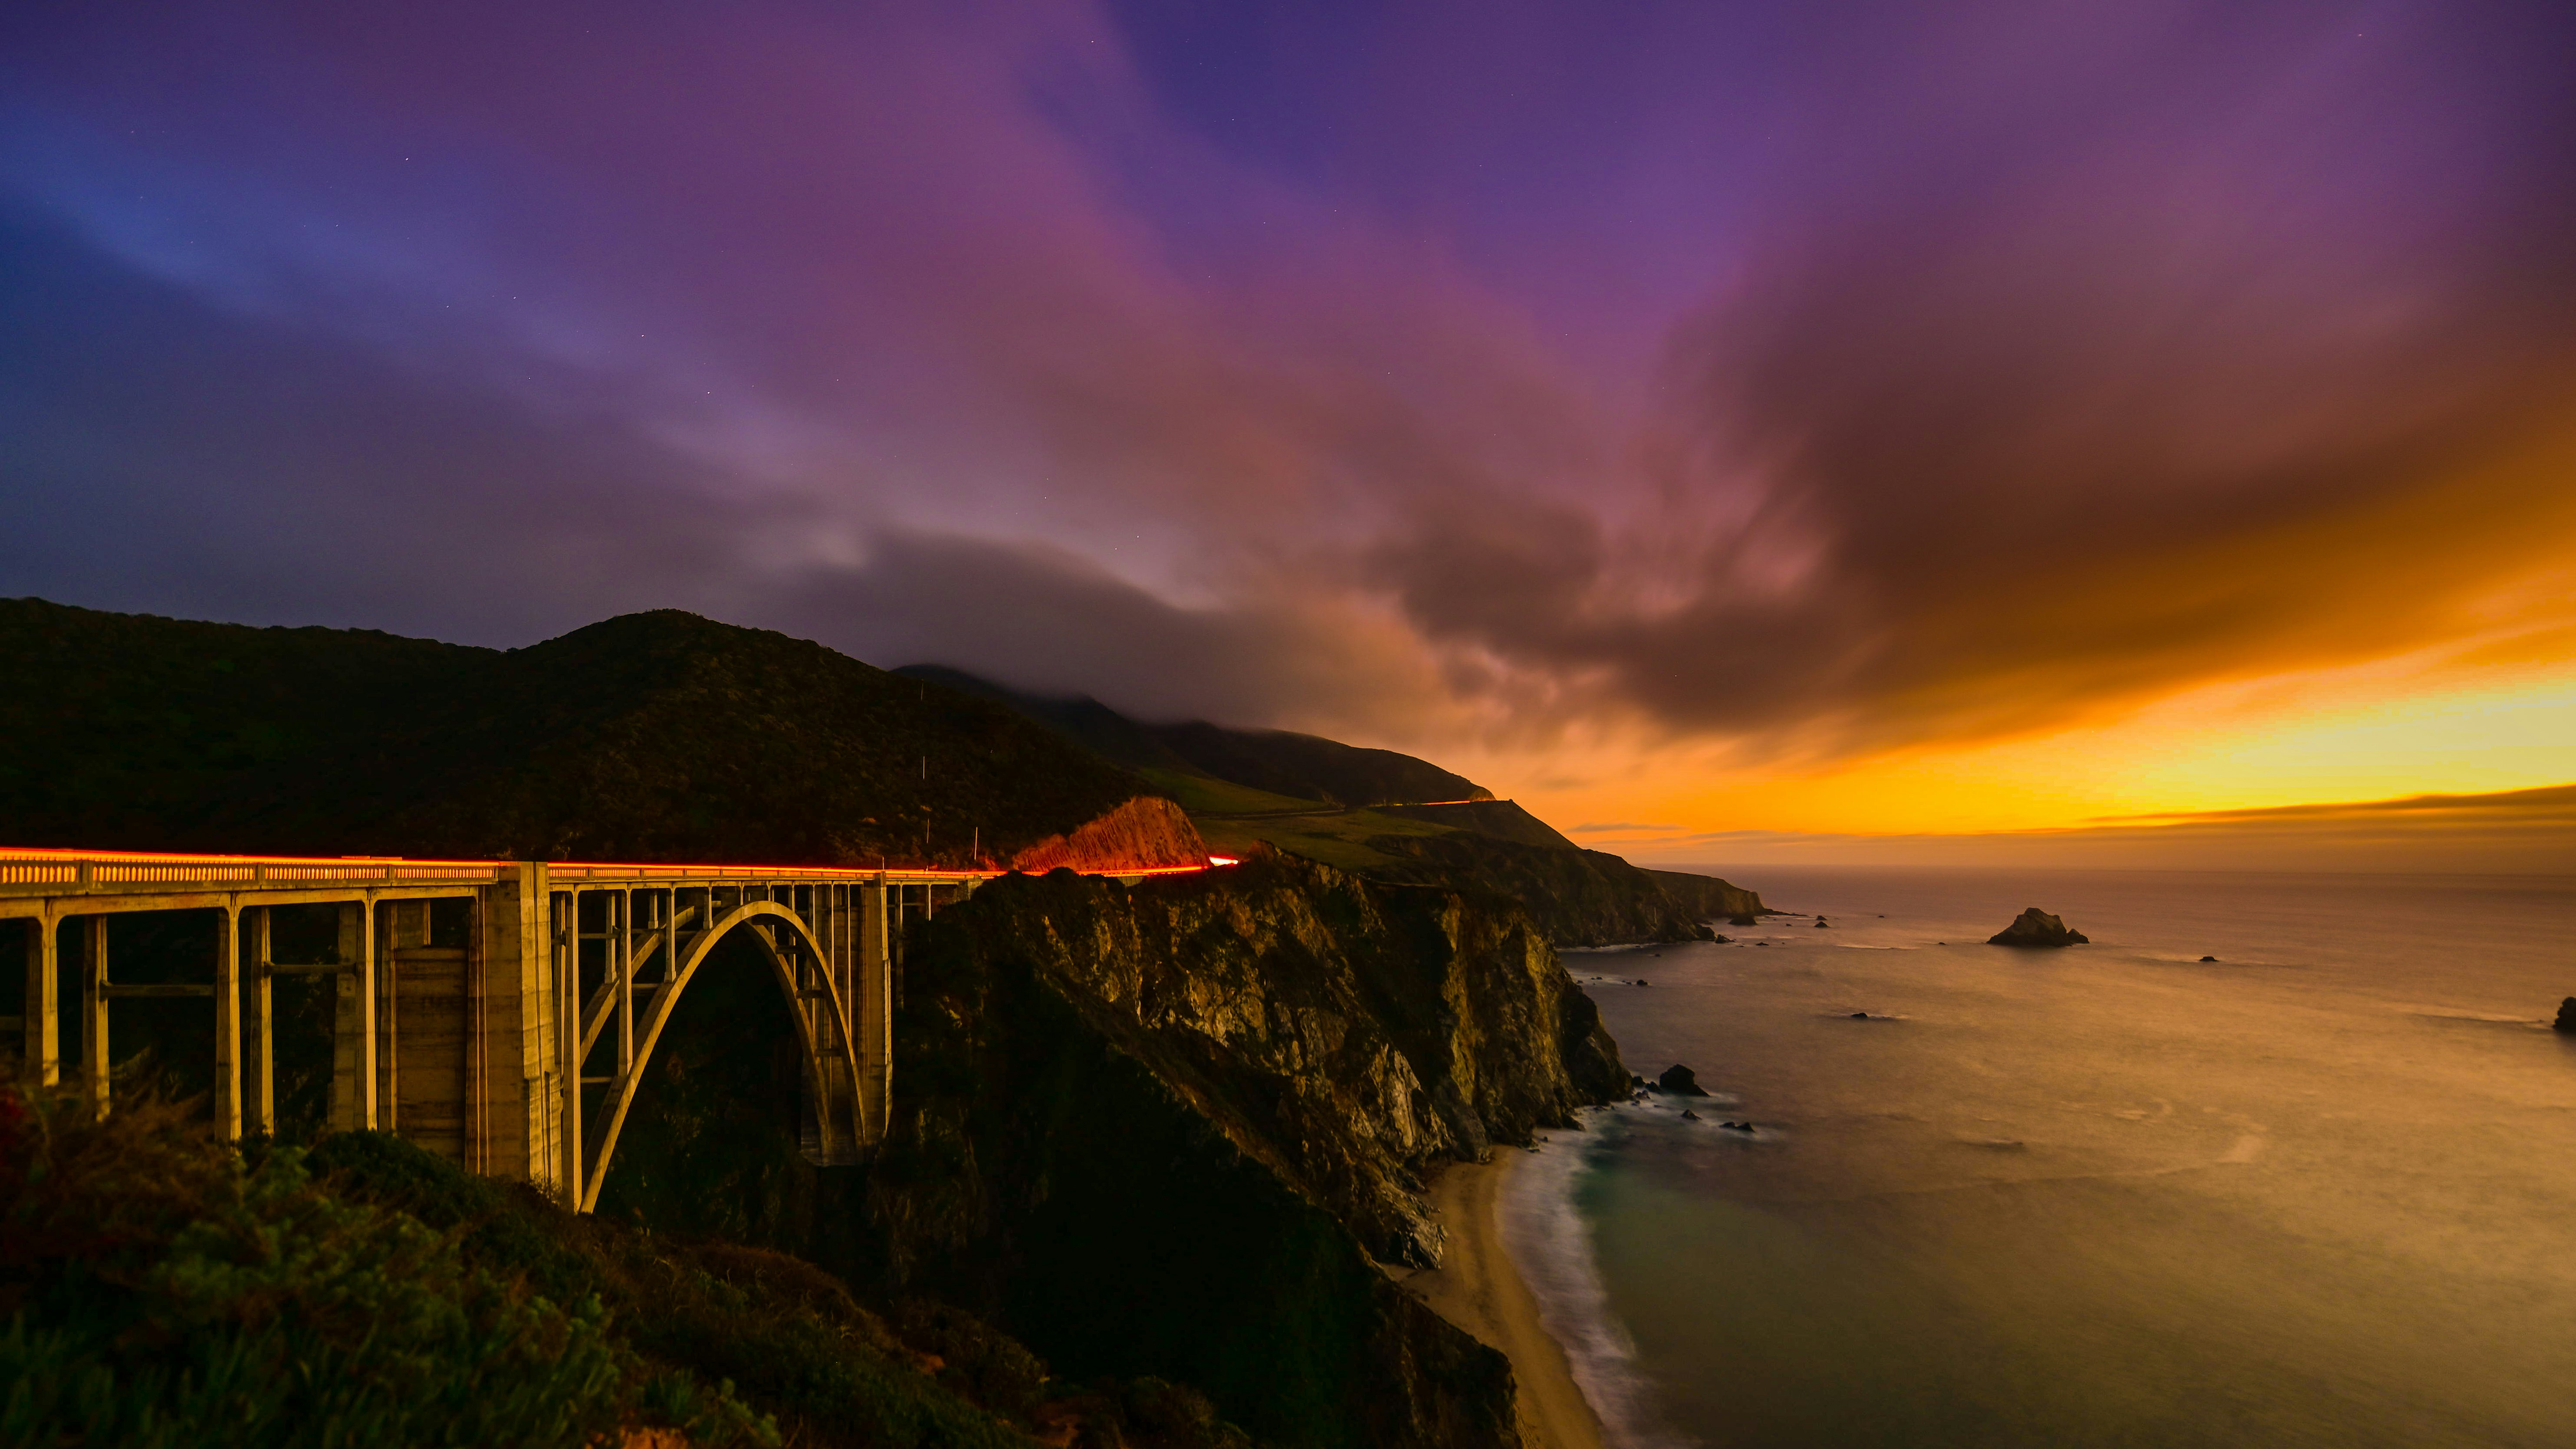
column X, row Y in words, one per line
column 1380, row 814
column 1287, row 763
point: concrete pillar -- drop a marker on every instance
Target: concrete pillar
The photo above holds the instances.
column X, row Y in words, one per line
column 387, row 941
column 845, row 954
column 94, row 1013
column 228, row 1032
column 566, row 915
column 521, row 1103
column 872, row 1011
column 262, row 1024
column 346, row 1093
column 621, row 963
column 43, row 1057
column 366, row 999
column 478, row 1048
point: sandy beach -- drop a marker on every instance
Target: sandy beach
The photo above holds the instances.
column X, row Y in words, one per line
column 1478, row 1289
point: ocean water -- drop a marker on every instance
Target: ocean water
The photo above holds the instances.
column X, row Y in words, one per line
column 2321, row 1191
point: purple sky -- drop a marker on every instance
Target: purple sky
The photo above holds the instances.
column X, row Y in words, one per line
column 1875, row 372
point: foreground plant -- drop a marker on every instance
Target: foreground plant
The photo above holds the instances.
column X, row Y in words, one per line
column 157, row 1288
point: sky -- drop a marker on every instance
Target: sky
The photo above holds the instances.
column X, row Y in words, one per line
column 1737, row 430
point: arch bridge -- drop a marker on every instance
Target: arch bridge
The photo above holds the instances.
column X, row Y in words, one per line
column 499, row 1013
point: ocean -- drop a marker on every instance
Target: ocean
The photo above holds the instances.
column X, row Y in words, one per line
column 2319, row 1191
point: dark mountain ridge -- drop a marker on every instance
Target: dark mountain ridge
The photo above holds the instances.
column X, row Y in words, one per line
column 658, row 736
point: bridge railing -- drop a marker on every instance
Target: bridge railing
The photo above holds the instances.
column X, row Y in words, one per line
column 35, row 870
column 25, row 868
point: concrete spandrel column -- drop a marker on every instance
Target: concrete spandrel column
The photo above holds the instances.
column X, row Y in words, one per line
column 567, row 955
column 43, row 1058
column 872, row 1011
column 345, row 1017
column 621, row 951
column 93, row 1014
column 367, row 1015
column 261, row 1026
column 228, row 1033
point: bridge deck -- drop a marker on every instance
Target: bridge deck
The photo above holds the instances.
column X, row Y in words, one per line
column 43, row 871
column 482, row 1047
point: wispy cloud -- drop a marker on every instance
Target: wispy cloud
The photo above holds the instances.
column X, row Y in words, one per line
column 1815, row 382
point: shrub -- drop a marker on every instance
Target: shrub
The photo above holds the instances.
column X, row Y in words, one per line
column 163, row 1291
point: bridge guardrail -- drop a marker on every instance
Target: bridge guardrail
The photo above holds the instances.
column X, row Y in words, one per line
column 40, row 868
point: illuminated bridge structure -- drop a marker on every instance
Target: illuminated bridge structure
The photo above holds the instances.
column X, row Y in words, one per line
column 498, row 1013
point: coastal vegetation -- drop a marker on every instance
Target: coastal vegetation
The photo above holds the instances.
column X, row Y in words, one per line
column 165, row 1289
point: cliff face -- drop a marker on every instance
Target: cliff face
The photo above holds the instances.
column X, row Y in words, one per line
column 1705, row 897
column 1578, row 897
column 1163, row 1130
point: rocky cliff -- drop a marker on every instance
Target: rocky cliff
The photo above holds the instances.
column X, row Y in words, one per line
column 1578, row 897
column 1164, row 1130
column 1707, row 898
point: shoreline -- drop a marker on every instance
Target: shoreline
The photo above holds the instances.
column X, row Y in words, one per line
column 1478, row 1288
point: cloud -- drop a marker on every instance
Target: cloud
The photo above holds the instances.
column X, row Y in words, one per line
column 2066, row 400
column 1724, row 375
column 1050, row 620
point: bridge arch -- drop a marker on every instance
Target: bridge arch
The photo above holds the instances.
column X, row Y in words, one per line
column 818, row 1058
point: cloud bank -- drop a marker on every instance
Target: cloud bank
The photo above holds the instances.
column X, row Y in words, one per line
column 1810, row 383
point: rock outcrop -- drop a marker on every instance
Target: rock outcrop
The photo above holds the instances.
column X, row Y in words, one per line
column 2035, row 927
column 1577, row 897
column 1707, row 898
column 1679, row 1080
column 1146, row 831
column 2566, row 1021
column 1166, row 1129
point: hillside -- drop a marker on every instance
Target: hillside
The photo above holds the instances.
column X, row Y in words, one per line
column 1279, row 762
column 166, row 1292
column 659, row 736
column 1501, row 819
column 1706, row 898
column 1377, row 813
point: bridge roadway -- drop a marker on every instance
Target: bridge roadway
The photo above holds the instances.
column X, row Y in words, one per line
column 499, row 1013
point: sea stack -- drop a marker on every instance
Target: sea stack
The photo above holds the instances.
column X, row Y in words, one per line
column 2036, row 927
column 1678, row 1080
column 2566, row 1021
